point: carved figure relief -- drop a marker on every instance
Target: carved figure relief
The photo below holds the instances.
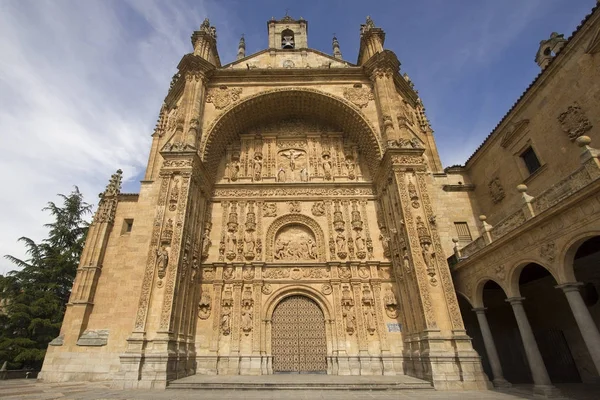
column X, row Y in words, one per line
column 266, row 289
column 574, row 122
column 496, row 190
column 204, row 305
column 248, row 273
column 327, row 166
column 427, row 250
column 228, row 273
column 206, row 242
column 364, row 272
column 162, row 261
column 295, row 243
column 385, row 241
column 368, row 304
column 340, row 245
column 548, row 251
column 295, row 207
column 223, row 96
column 412, row 193
column 318, row 208
column 226, row 307
column 269, row 209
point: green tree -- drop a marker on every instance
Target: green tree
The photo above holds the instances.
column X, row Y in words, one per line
column 37, row 293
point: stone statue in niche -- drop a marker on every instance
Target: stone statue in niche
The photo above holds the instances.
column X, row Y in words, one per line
column 360, row 245
column 247, row 321
column 327, row 167
column 391, row 305
column 349, row 320
column 206, row 242
column 340, row 242
column 385, row 242
column 249, row 243
column 351, row 167
column 204, row 305
column 257, row 167
column 304, row 175
column 162, row 261
column 370, row 319
column 230, row 245
column 234, row 170
column 174, row 195
column 281, row 175
column 225, row 324
column 295, row 243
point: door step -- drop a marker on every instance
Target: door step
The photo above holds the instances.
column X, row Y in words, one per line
column 299, row 382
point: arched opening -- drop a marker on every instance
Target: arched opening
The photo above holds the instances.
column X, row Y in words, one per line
column 505, row 333
column 473, row 330
column 287, row 39
column 298, row 336
column 552, row 322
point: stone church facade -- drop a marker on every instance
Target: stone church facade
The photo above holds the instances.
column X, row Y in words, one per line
column 295, row 217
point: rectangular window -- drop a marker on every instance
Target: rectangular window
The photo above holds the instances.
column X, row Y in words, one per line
column 463, row 232
column 531, row 161
column 127, row 226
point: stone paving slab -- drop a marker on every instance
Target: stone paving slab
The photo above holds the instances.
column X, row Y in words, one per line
column 32, row 390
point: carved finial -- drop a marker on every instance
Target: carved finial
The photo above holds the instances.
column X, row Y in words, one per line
column 241, row 48
column 336, row 48
column 114, row 185
column 549, row 48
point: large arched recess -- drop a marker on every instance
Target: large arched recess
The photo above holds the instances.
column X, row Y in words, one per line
column 281, row 103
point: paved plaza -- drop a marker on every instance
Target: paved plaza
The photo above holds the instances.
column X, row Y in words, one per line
column 31, row 389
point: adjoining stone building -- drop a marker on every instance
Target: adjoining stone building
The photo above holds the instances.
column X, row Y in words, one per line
column 295, row 217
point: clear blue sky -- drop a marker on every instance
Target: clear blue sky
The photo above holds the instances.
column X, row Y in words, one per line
column 81, row 82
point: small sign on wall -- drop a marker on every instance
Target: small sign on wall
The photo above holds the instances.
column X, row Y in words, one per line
column 394, row 327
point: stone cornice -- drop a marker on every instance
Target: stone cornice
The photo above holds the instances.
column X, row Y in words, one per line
column 287, row 51
column 310, row 75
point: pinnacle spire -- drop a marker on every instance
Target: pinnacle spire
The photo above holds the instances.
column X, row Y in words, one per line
column 336, row 48
column 241, row 48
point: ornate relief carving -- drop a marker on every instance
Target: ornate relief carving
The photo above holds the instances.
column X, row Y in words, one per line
column 368, row 305
column 167, row 233
column 204, row 305
column 270, row 209
column 208, row 274
column 574, row 122
column 276, row 273
column 385, row 241
column 295, row 207
column 295, row 243
column 496, row 190
column 344, row 272
column 174, row 198
column 223, row 96
column 364, row 272
column 228, row 273
column 318, row 209
column 402, row 143
column 326, row 289
column 426, row 250
column 358, row 95
column 412, row 193
column 347, row 310
column 226, row 308
column 266, row 289
column 500, row 271
column 302, row 240
column 548, row 251
column 292, row 192
column 248, row 273
column 107, row 206
column 206, row 242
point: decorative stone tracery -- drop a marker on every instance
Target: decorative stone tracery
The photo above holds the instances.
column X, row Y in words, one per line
column 295, row 219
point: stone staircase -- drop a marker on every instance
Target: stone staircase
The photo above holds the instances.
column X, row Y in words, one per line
column 300, row 382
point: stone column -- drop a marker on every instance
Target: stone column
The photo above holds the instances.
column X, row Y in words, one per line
column 584, row 320
column 541, row 380
column 490, row 349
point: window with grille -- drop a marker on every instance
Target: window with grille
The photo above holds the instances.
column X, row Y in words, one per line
column 464, row 234
column 531, row 161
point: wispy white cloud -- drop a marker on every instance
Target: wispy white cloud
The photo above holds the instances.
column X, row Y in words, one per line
column 80, row 87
